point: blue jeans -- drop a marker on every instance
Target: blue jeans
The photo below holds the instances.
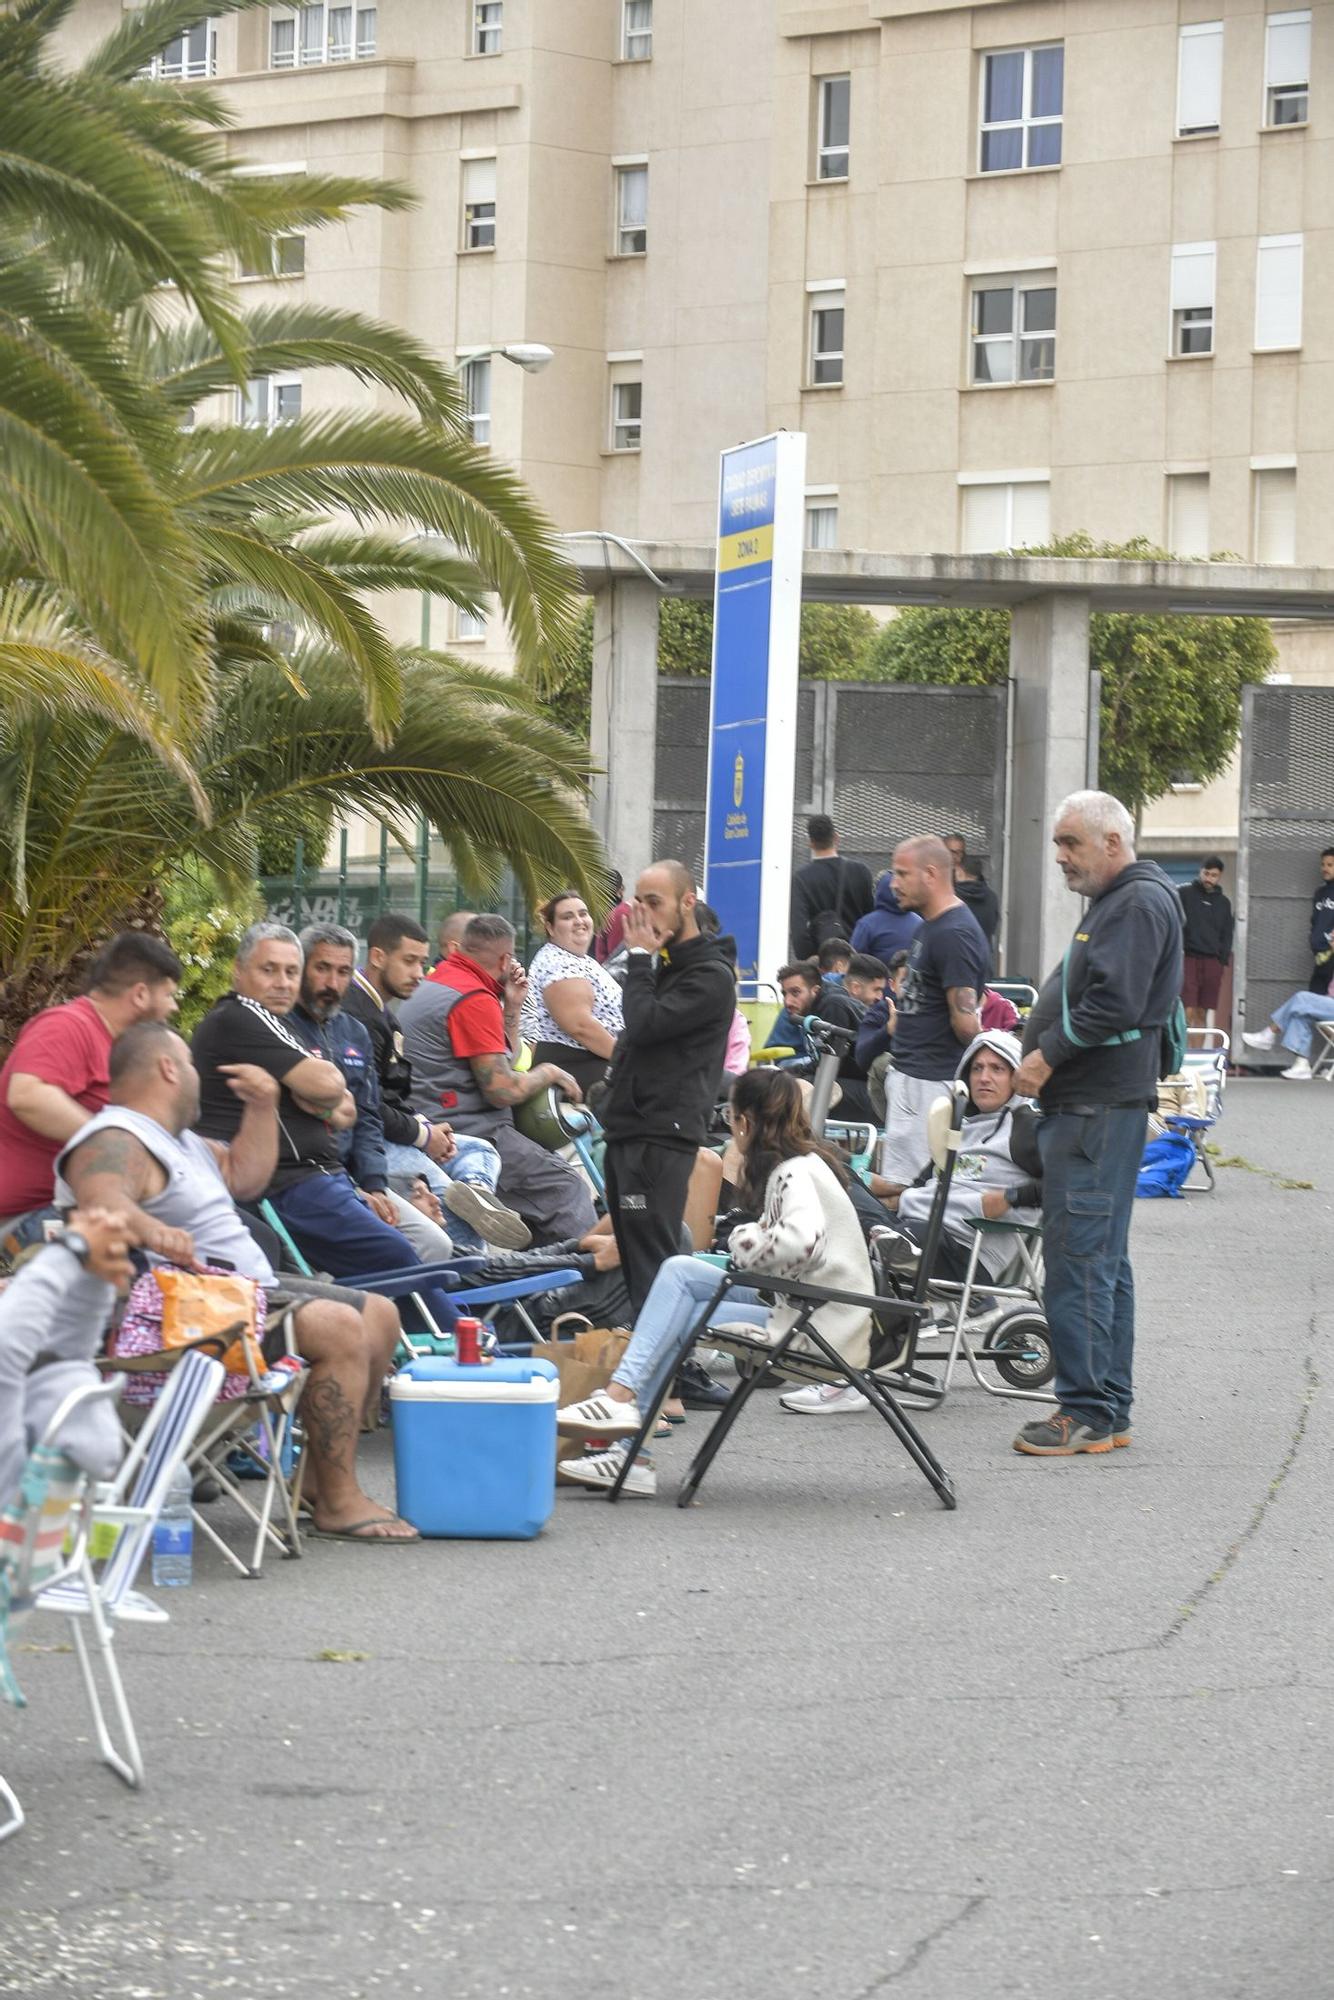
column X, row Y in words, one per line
column 683, row 1286
column 1090, row 1162
column 474, row 1160
column 1296, row 1019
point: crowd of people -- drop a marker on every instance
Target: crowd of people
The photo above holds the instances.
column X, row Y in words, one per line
column 364, row 1113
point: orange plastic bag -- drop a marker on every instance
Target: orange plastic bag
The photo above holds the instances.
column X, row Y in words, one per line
column 196, row 1303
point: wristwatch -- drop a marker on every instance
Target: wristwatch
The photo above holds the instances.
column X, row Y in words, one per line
column 76, row 1243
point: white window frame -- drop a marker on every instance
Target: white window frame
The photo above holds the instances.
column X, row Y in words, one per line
column 626, row 231
column 187, row 65
column 821, row 505
column 1259, row 475
column 1199, row 77
column 825, row 296
column 1028, row 477
column 1019, row 336
column 1284, row 92
column 469, row 626
column 1176, row 490
column 246, row 275
column 1271, row 248
column 1193, row 288
column 829, row 155
column 313, row 50
column 486, row 32
column 272, row 384
column 475, row 369
column 1025, row 124
column 475, row 224
column 636, row 37
column 627, row 428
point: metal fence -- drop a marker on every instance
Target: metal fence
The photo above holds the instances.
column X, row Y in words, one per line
column 884, row 761
column 1287, row 816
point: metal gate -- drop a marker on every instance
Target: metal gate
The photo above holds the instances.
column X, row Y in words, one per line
column 1287, row 816
column 885, row 762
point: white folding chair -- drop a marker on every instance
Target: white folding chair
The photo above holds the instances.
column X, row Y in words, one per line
column 133, row 1503
column 1323, row 1064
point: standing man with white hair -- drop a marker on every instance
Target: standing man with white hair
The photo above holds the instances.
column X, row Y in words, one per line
column 1093, row 1049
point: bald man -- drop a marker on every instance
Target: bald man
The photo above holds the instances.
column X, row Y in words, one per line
column 938, row 1001
column 679, row 1000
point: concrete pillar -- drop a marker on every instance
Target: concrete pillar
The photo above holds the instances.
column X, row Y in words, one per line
column 1049, row 663
column 625, row 720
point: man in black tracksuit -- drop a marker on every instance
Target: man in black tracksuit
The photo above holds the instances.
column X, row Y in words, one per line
column 678, row 1003
column 1093, row 1048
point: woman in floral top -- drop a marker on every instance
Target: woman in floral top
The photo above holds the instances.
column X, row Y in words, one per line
column 572, row 1014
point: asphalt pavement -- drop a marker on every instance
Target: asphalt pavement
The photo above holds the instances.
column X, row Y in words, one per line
column 814, row 1736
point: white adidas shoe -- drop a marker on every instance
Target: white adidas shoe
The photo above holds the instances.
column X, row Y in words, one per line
column 1263, row 1038
column 600, row 1469
column 1300, row 1071
column 824, row 1399
column 599, row 1417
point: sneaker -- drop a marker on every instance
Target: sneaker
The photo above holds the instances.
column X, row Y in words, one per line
column 697, row 1388
column 1121, row 1439
column 1300, row 1071
column 1263, row 1038
column 1061, row 1435
column 599, row 1417
column 600, row 1469
column 474, row 1203
column 824, row 1399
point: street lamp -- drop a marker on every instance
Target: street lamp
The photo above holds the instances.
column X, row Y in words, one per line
column 530, row 355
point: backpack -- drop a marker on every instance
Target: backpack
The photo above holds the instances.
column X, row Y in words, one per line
column 827, row 924
column 1167, row 1162
column 1173, row 1032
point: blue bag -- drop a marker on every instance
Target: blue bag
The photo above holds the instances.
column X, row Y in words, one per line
column 1167, row 1161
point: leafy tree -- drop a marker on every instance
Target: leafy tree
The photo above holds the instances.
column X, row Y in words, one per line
column 1171, row 684
column 203, row 925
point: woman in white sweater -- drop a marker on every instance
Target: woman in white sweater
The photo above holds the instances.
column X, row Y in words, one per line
column 808, row 1229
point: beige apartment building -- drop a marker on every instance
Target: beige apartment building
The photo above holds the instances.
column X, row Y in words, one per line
column 1017, row 268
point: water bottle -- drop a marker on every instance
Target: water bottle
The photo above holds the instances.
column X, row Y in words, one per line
column 174, row 1535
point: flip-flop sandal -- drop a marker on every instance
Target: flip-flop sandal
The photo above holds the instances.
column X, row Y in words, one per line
column 663, row 1428
column 668, row 1418
column 356, row 1532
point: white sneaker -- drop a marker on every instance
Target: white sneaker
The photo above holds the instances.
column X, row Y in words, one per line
column 1300, row 1071
column 1263, row 1038
column 600, row 1469
column 824, row 1399
column 494, row 1223
column 599, row 1417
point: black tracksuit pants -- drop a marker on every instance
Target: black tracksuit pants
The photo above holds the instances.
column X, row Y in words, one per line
column 646, row 1200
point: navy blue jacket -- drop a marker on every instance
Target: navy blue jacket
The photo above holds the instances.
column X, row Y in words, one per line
column 885, row 929
column 344, row 1041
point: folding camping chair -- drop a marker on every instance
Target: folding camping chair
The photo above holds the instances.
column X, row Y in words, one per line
column 1017, row 1342
column 1323, row 1063
column 52, row 1490
column 1205, row 1062
column 804, row 1354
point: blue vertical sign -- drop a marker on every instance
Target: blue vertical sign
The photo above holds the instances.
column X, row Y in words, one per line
column 752, row 718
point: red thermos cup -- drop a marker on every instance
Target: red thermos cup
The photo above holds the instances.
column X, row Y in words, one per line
column 468, row 1342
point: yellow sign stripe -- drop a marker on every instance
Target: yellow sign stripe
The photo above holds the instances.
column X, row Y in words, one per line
column 752, row 545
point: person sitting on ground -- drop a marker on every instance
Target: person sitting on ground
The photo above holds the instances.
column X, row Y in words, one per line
column 833, row 959
column 311, row 1190
column 51, row 1319
column 572, row 1011
column 845, row 1006
column 460, row 1169
column 56, row 1075
column 888, row 928
column 1293, row 1026
column 972, row 887
column 461, row 1037
column 808, row 1230
column 829, row 894
column 178, row 1192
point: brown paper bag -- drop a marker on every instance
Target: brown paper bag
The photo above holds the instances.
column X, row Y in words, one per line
column 584, row 1362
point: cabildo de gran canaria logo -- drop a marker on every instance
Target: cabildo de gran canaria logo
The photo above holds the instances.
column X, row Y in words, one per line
column 737, row 825
column 738, row 780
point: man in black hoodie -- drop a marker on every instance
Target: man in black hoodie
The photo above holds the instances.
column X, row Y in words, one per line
column 1092, row 1057
column 1208, row 940
column 678, row 1003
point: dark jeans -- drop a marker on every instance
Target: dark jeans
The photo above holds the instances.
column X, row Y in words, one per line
column 1090, row 1161
column 646, row 1200
column 336, row 1231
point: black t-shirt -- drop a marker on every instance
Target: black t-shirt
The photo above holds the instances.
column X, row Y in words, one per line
column 236, row 1030
column 949, row 950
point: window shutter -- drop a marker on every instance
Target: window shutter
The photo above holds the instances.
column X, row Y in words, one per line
column 1278, row 292
column 1200, row 78
column 1288, row 49
column 1276, row 516
column 1192, row 275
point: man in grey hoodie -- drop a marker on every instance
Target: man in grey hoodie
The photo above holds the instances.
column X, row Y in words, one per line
column 1093, row 1048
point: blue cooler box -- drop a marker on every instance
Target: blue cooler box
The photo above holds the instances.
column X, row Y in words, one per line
column 475, row 1447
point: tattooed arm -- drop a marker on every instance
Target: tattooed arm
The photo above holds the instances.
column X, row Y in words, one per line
column 502, row 1086
column 965, row 1018
column 113, row 1170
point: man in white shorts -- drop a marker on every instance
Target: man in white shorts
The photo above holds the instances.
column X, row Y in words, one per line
column 937, row 1007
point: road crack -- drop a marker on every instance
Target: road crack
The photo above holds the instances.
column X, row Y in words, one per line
column 924, row 1944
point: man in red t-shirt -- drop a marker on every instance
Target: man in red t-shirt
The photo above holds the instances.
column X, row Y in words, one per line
column 56, row 1077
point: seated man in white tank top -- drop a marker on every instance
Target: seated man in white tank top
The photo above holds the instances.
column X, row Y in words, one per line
column 140, row 1158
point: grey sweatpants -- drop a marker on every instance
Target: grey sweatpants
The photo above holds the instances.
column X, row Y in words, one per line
column 56, row 1310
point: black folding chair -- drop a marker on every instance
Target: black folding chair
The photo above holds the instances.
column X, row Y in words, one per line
column 804, row 1354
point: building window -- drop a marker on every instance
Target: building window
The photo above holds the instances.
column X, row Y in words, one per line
column 301, row 37
column 627, row 405
column 1193, row 267
column 486, row 25
column 1275, row 534
column 833, row 107
column 1278, row 291
column 631, row 211
column 1022, row 97
column 192, row 53
column 477, row 398
column 269, row 400
column 1006, row 514
column 825, row 364
column 822, row 521
column 1200, row 79
column 1188, row 513
column 286, row 259
column 469, row 624
column 1014, row 329
column 1287, row 68
column 637, row 30
column 479, row 204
